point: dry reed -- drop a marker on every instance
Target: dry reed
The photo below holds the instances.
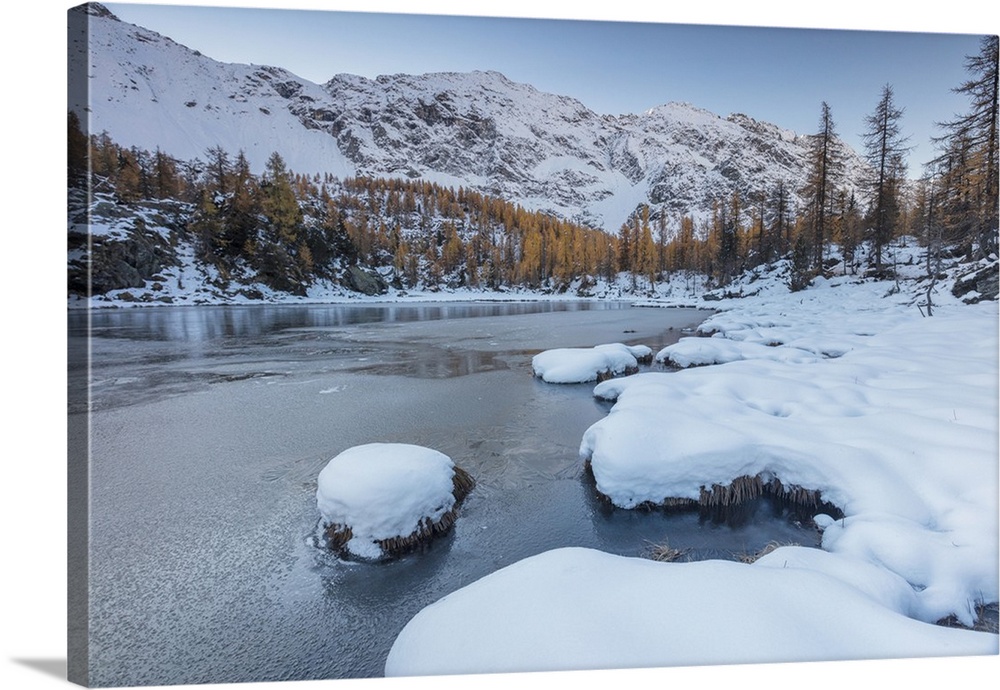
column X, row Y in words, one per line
column 664, row 552
column 768, row 548
column 608, row 374
column 337, row 535
column 731, row 502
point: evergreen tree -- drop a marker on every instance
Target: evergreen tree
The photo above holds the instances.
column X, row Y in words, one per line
column 279, row 204
column 77, row 153
column 779, row 219
column 625, row 244
column 801, row 274
column 207, row 229
column 242, row 208
column 104, row 157
column 728, row 223
column 662, row 240
column 278, row 259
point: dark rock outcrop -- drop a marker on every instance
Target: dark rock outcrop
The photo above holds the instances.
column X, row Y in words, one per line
column 985, row 283
column 365, row 282
column 122, row 264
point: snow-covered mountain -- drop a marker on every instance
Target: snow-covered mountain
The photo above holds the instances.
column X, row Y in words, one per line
column 480, row 130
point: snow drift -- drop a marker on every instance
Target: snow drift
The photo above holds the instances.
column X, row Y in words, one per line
column 577, row 609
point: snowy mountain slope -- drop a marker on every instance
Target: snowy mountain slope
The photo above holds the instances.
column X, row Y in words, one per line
column 146, row 90
column 480, row 130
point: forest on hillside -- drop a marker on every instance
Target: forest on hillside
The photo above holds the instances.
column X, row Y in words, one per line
column 285, row 230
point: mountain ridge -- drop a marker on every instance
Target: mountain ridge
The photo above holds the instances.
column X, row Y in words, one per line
column 477, row 129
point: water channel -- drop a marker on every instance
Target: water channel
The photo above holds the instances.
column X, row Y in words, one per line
column 208, row 428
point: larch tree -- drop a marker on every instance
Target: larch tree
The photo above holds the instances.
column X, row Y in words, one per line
column 128, row 180
column 927, row 226
column 167, row 181
column 646, row 250
column 971, row 146
column 825, row 168
column 849, row 224
column 217, row 169
column 885, row 150
column 951, row 174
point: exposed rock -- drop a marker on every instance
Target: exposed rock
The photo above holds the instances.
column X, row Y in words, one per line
column 128, row 263
column 980, row 285
column 365, row 282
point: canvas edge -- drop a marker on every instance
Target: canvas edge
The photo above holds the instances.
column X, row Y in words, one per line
column 78, row 427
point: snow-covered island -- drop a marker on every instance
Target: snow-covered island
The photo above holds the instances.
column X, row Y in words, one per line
column 380, row 499
column 845, row 390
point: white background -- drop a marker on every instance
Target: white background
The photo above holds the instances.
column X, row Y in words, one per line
column 33, row 567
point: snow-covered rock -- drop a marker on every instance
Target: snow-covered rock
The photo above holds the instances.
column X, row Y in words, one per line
column 582, row 364
column 379, row 498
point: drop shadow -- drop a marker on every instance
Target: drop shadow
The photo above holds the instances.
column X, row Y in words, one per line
column 50, row 667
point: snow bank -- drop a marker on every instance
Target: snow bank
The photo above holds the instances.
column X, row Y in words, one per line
column 382, row 491
column 576, row 609
column 578, row 365
column 694, row 352
column 900, row 432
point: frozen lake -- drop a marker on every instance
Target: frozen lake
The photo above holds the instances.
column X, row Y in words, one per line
column 210, row 425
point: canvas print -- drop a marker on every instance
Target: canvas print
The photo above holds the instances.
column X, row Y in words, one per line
column 416, row 345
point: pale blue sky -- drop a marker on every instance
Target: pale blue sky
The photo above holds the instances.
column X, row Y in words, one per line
column 781, row 75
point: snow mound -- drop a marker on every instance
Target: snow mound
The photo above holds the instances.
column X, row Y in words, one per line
column 378, row 498
column 578, row 609
column 695, row 352
column 899, row 432
column 579, row 365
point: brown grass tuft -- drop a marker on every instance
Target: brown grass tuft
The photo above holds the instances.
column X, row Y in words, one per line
column 987, row 619
column 337, row 536
column 664, row 552
column 768, row 548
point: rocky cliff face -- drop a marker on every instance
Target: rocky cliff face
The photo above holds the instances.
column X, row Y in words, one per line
column 479, row 130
